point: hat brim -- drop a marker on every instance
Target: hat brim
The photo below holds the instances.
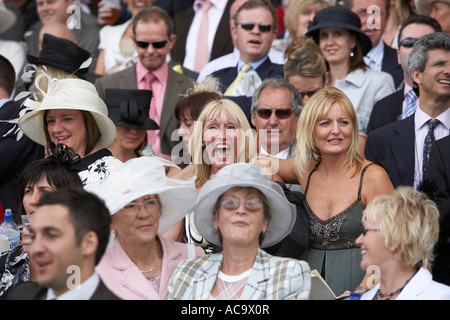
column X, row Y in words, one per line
column 32, row 125
column 366, row 43
column 280, row 225
column 149, row 124
column 82, row 73
column 7, row 19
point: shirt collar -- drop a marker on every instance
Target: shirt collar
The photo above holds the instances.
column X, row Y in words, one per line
column 421, row 118
column 161, row 73
column 376, row 53
column 82, row 292
column 254, row 65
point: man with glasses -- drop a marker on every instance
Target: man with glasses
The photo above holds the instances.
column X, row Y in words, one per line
column 403, row 102
column 153, row 39
column 255, row 30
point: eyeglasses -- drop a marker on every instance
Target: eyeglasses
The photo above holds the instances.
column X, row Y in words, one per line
column 234, row 204
column 156, row 44
column 148, row 204
column 408, row 42
column 368, row 229
column 263, row 27
column 281, row 113
column 308, row 93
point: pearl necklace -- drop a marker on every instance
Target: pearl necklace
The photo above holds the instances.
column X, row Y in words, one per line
column 150, row 270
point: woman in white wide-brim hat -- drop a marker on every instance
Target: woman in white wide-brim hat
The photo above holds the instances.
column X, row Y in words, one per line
column 72, row 113
column 240, row 209
column 144, row 203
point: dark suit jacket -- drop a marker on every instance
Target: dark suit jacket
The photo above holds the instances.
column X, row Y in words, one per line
column 266, row 70
column 440, row 173
column 390, row 65
column 173, row 7
column 34, row 291
column 386, row 110
column 222, row 44
column 177, row 84
column 393, row 145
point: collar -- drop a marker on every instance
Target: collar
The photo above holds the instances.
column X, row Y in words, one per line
column 421, row 118
column 283, row 154
column 356, row 77
column 376, row 53
column 254, row 65
column 82, row 292
column 219, row 4
column 162, row 73
column 3, row 101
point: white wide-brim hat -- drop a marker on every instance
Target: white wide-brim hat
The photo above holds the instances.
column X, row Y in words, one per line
column 143, row 176
column 243, row 175
column 74, row 94
column 424, row 6
column 7, row 18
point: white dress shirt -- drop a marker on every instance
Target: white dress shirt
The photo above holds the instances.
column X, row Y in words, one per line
column 82, row 292
column 374, row 58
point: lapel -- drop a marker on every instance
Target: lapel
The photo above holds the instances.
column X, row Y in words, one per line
column 256, row 287
column 171, row 97
column 128, row 78
column 403, row 150
column 417, row 286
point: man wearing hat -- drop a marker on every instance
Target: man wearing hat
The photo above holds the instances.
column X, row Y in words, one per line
column 381, row 57
column 153, row 40
column 439, row 10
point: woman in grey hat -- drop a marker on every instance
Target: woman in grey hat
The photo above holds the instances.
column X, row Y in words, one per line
column 338, row 33
column 240, row 209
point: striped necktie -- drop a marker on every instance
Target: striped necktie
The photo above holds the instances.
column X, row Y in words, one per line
column 428, row 143
column 238, row 79
column 410, row 104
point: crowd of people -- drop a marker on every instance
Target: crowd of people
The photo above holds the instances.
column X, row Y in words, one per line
column 226, row 149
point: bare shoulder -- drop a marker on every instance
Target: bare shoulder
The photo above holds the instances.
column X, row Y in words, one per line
column 376, row 181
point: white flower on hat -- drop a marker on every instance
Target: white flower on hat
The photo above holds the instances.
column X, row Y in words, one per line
column 123, row 186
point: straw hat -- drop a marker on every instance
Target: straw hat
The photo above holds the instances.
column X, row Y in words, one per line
column 337, row 17
column 424, row 6
column 243, row 175
column 143, row 176
column 73, row 94
column 7, row 18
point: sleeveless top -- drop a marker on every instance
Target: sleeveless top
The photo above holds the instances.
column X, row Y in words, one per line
column 341, row 230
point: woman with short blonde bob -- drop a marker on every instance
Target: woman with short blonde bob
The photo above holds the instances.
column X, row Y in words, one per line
column 338, row 184
column 400, row 232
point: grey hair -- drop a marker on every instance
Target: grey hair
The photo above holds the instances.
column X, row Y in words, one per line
column 296, row 98
column 418, row 57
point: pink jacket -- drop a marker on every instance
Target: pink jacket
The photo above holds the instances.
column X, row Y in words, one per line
column 124, row 279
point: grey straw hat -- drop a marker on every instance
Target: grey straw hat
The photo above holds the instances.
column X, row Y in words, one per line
column 337, row 17
column 243, row 175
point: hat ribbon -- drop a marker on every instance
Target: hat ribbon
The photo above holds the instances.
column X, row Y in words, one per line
column 129, row 111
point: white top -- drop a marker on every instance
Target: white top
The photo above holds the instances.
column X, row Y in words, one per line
column 374, row 58
column 364, row 89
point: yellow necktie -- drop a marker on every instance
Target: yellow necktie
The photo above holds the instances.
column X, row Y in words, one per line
column 238, row 79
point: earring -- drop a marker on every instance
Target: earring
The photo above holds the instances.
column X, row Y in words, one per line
column 352, row 54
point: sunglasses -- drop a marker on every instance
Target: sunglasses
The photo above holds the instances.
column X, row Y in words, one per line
column 156, row 44
column 308, row 93
column 408, row 42
column 368, row 229
column 282, row 113
column 263, row 27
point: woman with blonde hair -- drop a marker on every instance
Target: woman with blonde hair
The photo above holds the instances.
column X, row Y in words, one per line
column 338, row 183
column 400, row 233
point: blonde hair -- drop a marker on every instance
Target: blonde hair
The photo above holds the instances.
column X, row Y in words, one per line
column 408, row 219
column 314, row 111
column 295, row 8
column 245, row 146
column 304, row 58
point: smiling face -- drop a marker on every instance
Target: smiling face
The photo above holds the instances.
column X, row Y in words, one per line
column 336, row 44
column 333, row 134
column 221, row 134
column 138, row 221
column 54, row 247
column 254, row 44
column 53, row 10
column 243, row 224
column 67, row 127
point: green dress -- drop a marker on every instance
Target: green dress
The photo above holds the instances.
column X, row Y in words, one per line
column 333, row 251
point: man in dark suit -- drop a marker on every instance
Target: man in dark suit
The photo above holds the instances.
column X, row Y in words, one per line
column 400, row 145
column 381, row 57
column 440, row 174
column 186, row 28
column 393, row 107
column 254, row 32
column 70, row 231
column 153, row 38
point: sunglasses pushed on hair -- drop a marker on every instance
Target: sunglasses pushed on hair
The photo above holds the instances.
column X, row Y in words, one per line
column 263, row 27
column 281, row 113
column 156, row 44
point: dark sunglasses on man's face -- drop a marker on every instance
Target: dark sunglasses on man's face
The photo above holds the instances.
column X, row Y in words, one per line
column 263, row 27
column 281, row 113
column 408, row 42
column 156, row 44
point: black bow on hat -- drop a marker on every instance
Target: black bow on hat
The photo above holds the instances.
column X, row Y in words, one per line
column 130, row 108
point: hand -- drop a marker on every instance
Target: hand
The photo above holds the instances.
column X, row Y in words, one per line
column 263, row 162
column 105, row 14
column 26, row 240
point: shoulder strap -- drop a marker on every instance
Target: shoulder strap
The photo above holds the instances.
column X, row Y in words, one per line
column 361, row 179
column 309, row 178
